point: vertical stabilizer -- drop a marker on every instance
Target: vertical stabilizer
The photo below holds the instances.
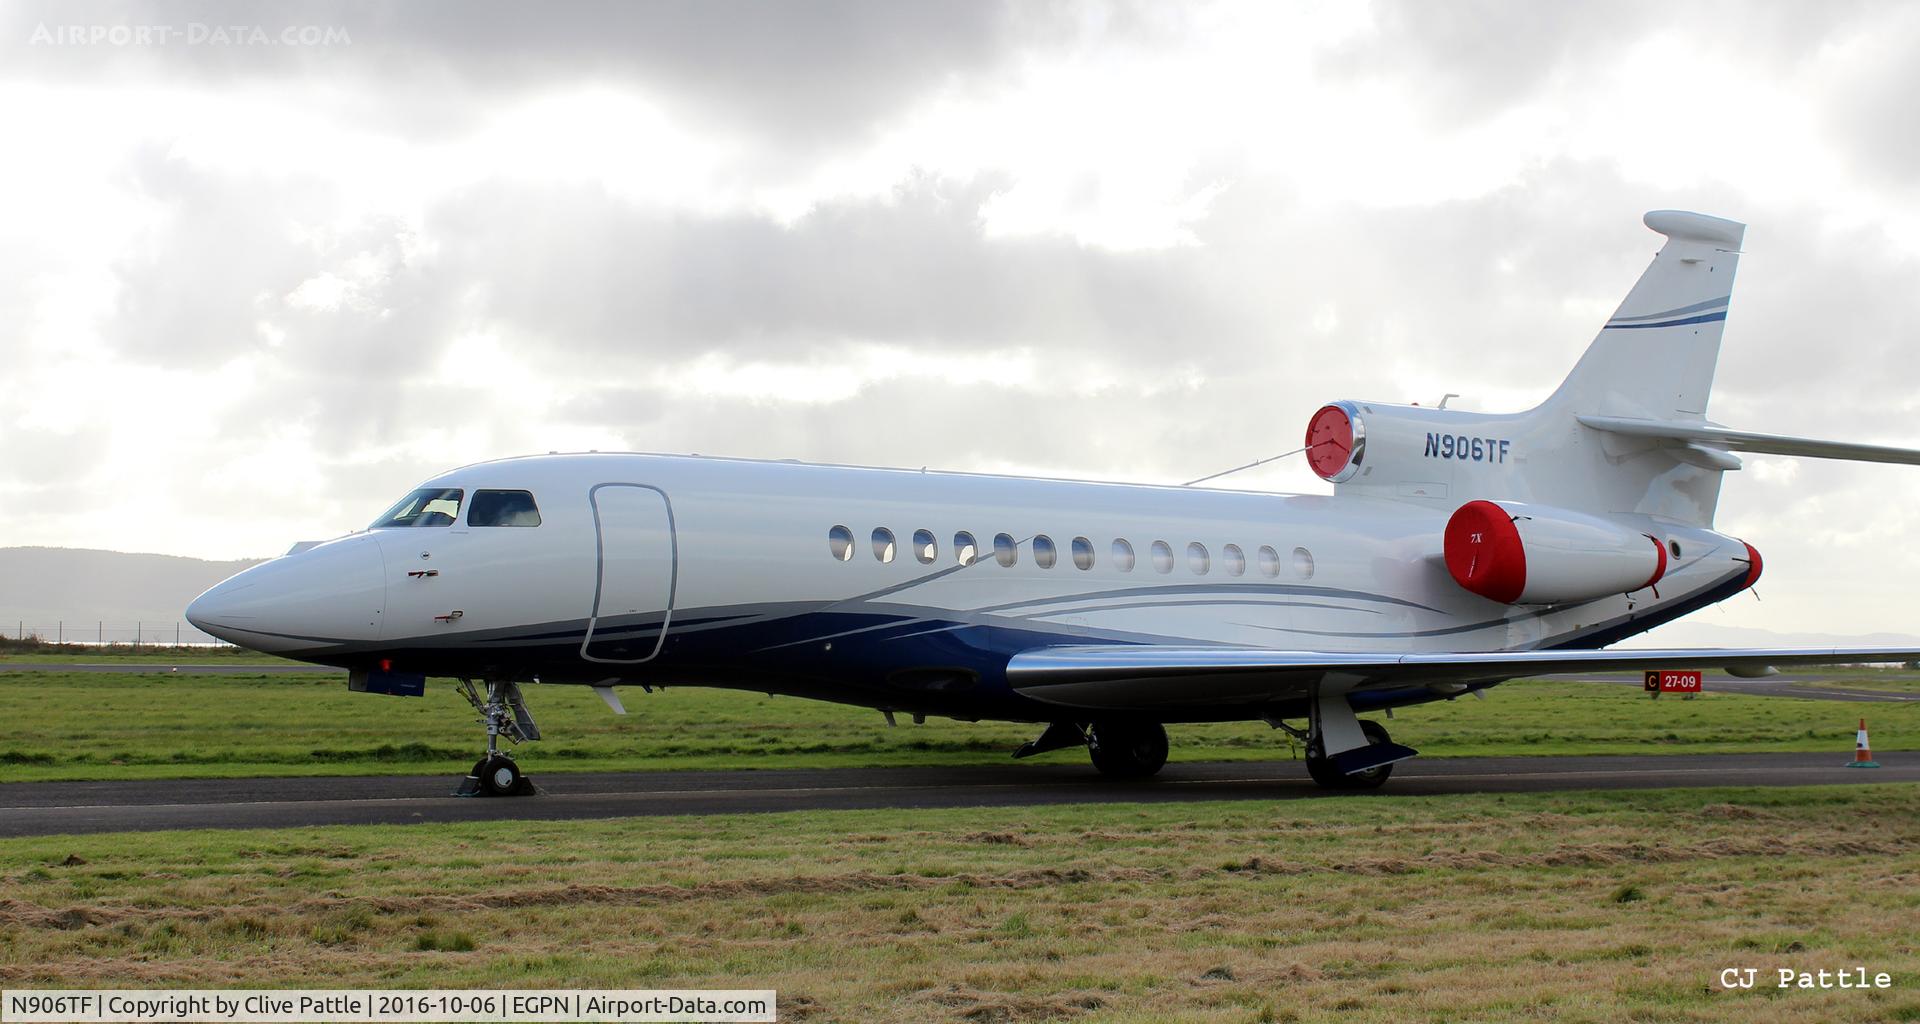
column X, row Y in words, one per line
column 1655, row 358
column 1652, row 362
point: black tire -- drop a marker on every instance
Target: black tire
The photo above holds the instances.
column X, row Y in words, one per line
column 499, row 776
column 1124, row 749
column 1323, row 772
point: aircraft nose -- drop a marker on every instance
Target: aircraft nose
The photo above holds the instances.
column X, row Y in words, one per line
column 325, row 596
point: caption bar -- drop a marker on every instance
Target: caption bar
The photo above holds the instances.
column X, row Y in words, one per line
column 186, row 1006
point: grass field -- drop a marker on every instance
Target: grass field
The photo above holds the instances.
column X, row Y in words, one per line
column 1581, row 907
column 69, row 725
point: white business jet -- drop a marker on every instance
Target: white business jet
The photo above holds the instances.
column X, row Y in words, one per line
column 1458, row 550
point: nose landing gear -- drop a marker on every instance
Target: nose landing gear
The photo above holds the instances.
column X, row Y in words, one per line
column 504, row 713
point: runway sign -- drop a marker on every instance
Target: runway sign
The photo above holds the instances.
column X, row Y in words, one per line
column 1690, row 680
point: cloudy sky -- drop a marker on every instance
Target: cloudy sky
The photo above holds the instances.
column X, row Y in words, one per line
column 262, row 272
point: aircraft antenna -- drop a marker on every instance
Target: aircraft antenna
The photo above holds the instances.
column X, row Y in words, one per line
column 1250, row 465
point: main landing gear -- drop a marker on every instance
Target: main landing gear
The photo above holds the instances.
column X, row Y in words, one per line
column 1322, row 770
column 1343, row 752
column 1121, row 748
column 504, row 713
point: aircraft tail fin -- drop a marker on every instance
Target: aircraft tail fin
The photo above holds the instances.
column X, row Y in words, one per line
column 1654, row 359
column 1625, row 433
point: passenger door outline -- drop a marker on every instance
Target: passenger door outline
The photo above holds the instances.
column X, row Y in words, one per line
column 600, row 573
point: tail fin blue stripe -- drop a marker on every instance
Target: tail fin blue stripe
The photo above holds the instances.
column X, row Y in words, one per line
column 1663, row 314
column 1708, row 318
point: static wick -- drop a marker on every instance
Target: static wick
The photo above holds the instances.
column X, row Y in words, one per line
column 1250, row 465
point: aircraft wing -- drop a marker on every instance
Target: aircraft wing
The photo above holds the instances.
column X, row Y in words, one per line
column 1118, row 677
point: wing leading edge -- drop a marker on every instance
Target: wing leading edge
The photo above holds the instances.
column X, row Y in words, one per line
column 1124, row 677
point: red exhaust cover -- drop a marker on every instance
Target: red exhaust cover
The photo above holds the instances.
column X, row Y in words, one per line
column 1660, row 569
column 1484, row 552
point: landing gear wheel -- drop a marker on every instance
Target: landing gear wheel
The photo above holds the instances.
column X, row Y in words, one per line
column 1124, row 749
column 1323, row 772
column 499, row 775
column 496, row 775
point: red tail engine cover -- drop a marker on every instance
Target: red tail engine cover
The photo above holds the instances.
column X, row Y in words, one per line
column 1517, row 553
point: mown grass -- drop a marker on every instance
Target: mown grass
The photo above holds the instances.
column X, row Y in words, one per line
column 1575, row 906
column 106, row 726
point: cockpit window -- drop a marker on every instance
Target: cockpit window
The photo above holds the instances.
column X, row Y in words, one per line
column 428, row 506
column 503, row 508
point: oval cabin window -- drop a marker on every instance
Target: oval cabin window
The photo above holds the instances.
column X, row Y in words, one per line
column 1303, row 563
column 1005, row 551
column 1197, row 558
column 1269, row 561
column 1082, row 553
column 1232, row 560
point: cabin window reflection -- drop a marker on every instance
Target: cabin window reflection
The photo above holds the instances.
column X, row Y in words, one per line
column 883, row 544
column 1082, row 553
column 503, row 508
column 840, row 542
column 1044, row 554
column 1269, row 561
column 965, row 550
column 1005, row 551
column 1162, row 557
column 1303, row 563
column 1232, row 560
column 1122, row 555
column 1197, row 558
column 924, row 550
column 428, row 506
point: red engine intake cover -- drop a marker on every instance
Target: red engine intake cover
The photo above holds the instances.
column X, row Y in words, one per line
column 1329, row 441
column 1484, row 552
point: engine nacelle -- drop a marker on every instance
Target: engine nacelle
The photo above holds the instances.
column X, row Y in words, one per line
column 1408, row 452
column 1518, row 553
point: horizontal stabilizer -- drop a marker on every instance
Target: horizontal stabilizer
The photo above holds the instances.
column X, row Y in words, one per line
column 1709, row 436
column 1145, row 677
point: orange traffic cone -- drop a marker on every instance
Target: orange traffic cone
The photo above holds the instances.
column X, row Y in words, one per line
column 1862, row 756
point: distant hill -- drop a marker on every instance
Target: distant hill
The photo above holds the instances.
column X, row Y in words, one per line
column 44, row 586
column 1709, row 634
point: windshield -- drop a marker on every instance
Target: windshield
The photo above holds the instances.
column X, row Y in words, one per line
column 428, row 506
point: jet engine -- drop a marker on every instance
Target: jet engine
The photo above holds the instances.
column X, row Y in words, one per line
column 1518, row 553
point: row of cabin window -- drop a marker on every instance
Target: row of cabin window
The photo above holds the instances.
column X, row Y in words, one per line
column 1006, row 551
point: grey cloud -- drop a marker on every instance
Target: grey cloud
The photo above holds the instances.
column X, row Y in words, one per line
column 603, row 292
column 585, row 272
column 799, row 73
column 1471, row 59
column 228, row 255
column 1870, row 110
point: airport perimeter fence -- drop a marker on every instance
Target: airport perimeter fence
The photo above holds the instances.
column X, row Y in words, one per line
column 106, row 632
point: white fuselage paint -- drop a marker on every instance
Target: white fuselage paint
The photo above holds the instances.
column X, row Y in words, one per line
column 749, row 546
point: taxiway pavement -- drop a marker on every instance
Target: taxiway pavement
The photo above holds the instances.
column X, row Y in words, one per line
column 49, row 808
